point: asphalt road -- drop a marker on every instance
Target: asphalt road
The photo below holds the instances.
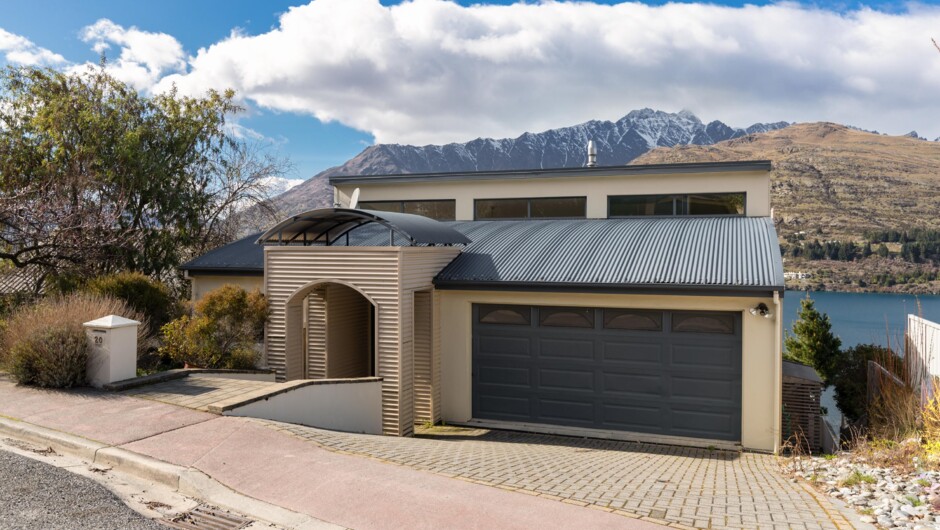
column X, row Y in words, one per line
column 34, row 495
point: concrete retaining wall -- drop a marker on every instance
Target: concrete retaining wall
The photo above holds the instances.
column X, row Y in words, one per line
column 351, row 405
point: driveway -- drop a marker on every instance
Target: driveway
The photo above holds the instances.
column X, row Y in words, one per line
column 693, row 487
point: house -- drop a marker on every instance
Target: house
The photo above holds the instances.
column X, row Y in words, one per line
column 629, row 302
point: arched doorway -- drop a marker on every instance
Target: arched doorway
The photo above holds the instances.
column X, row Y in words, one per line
column 331, row 332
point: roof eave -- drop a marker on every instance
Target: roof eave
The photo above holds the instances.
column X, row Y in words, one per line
column 760, row 291
column 645, row 169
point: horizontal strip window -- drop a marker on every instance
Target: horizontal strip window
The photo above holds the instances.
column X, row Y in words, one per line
column 669, row 205
column 531, row 208
column 440, row 210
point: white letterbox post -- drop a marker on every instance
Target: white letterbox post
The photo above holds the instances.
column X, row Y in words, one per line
column 112, row 352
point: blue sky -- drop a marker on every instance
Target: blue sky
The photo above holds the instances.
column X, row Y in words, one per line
column 501, row 72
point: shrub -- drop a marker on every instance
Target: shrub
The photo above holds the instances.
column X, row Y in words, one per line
column 67, row 311
column 147, row 296
column 55, row 358
column 221, row 333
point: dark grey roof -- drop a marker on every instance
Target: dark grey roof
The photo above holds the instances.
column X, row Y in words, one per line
column 733, row 254
column 329, row 225
column 240, row 257
column 603, row 171
column 709, row 253
column 800, row 371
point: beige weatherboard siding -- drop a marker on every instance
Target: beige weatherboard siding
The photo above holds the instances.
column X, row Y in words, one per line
column 755, row 184
column 386, row 276
column 761, row 361
column 203, row 284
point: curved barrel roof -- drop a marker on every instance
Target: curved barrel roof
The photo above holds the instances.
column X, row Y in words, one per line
column 328, row 225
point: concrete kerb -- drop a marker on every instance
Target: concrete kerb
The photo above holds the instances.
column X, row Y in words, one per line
column 184, row 480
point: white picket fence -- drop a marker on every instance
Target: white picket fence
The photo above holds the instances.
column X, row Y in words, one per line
column 923, row 346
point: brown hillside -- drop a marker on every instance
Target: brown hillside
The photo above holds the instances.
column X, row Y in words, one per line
column 835, row 179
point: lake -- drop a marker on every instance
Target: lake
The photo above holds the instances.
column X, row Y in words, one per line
column 865, row 317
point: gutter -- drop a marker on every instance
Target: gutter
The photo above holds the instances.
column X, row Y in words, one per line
column 615, row 288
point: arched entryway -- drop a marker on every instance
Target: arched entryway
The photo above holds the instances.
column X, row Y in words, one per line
column 331, row 332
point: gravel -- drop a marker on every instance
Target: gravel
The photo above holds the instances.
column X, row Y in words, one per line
column 37, row 495
column 885, row 497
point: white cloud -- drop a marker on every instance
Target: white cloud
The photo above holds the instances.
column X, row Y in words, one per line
column 17, row 49
column 144, row 57
column 431, row 71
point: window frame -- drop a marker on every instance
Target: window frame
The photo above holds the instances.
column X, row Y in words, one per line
column 401, row 205
column 675, row 198
column 528, row 201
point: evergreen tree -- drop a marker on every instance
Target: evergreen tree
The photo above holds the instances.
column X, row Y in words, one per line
column 866, row 250
column 883, row 250
column 812, row 342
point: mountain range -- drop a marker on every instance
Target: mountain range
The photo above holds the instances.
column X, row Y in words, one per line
column 618, row 142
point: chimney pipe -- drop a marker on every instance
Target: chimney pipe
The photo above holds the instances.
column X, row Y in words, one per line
column 592, row 154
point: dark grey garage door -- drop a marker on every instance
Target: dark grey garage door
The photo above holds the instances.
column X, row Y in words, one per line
column 660, row 372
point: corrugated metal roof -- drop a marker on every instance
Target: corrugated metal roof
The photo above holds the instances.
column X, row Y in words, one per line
column 242, row 256
column 710, row 252
column 724, row 253
column 330, row 225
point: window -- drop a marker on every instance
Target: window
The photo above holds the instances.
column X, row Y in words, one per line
column 531, row 208
column 566, row 317
column 504, row 314
column 441, row 210
column 695, row 204
column 703, row 323
column 633, row 319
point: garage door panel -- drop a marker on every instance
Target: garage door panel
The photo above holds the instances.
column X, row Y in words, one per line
column 633, row 417
column 709, row 389
column 681, row 383
column 505, row 407
column 633, row 352
column 505, row 376
column 559, row 348
column 567, row 410
column 704, row 422
column 505, row 345
column 577, row 380
column 637, row 385
column 704, row 355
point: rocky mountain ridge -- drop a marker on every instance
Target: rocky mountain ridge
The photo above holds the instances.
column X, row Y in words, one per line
column 618, row 142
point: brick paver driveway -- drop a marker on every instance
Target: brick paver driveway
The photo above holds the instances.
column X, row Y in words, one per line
column 682, row 486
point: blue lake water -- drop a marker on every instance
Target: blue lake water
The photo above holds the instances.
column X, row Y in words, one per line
column 865, row 317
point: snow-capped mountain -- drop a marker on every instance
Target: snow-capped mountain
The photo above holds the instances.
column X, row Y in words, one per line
column 617, row 143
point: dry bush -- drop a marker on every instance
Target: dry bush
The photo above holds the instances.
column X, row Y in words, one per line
column 906, row 455
column 222, row 332
column 895, row 410
column 54, row 358
column 71, row 312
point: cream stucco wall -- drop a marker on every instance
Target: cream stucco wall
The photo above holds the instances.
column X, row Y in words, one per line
column 756, row 184
column 352, row 405
column 760, row 386
column 203, row 284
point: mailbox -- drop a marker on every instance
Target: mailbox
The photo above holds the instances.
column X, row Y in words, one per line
column 112, row 352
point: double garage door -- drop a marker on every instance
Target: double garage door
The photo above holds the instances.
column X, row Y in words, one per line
column 672, row 373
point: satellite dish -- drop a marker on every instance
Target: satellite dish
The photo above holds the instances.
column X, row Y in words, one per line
column 354, row 200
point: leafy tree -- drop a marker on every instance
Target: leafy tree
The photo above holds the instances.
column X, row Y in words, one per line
column 97, row 178
column 812, row 342
column 851, row 378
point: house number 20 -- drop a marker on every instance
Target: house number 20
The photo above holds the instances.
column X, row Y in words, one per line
column 99, row 341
